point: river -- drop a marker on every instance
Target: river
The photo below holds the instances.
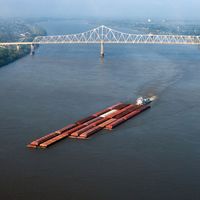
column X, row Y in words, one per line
column 155, row 156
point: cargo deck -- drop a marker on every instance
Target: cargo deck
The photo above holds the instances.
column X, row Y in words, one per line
column 107, row 118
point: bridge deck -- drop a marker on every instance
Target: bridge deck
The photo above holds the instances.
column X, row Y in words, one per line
column 103, row 34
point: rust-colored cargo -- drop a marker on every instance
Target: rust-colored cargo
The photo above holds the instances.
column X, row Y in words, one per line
column 120, row 111
column 119, row 107
column 53, row 140
column 102, row 125
column 125, row 112
column 115, row 105
column 92, row 120
column 107, row 109
column 101, row 120
column 126, row 117
column 85, row 120
column 66, row 128
column 43, row 139
column 134, row 113
column 31, row 146
column 101, row 112
column 78, row 127
column 78, row 132
column 89, row 132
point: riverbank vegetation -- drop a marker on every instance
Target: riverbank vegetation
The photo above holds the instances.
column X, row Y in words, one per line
column 13, row 30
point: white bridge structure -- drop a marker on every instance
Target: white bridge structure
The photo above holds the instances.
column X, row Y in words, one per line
column 105, row 35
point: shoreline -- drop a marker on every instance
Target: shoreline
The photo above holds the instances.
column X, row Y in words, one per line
column 19, row 31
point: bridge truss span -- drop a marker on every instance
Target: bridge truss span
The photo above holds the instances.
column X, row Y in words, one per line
column 107, row 35
column 103, row 34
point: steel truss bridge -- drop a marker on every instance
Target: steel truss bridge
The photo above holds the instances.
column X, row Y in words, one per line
column 105, row 35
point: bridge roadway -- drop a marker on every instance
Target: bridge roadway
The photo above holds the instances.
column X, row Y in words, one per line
column 102, row 35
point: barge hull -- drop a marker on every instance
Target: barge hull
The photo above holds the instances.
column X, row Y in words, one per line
column 107, row 118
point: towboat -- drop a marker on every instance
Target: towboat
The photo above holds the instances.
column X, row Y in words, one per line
column 145, row 101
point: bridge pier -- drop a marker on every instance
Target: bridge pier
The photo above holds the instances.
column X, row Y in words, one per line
column 102, row 49
column 32, row 51
column 18, row 47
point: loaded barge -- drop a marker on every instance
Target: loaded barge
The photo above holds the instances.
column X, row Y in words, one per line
column 107, row 118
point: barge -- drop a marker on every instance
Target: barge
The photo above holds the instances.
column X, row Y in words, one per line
column 107, row 118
